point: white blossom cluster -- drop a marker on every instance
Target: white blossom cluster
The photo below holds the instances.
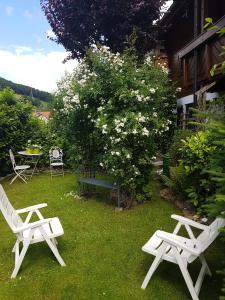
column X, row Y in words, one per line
column 139, row 97
column 107, row 56
column 164, row 127
column 148, row 60
column 164, row 68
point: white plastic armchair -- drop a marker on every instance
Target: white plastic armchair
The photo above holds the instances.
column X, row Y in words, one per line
column 56, row 161
column 19, row 170
column 183, row 251
column 29, row 233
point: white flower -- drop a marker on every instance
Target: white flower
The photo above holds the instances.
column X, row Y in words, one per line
column 152, row 91
column 134, row 131
column 179, row 89
column 145, row 131
column 104, row 126
column 75, row 99
column 117, row 153
column 128, row 156
column 155, row 115
column 100, row 108
column 101, row 164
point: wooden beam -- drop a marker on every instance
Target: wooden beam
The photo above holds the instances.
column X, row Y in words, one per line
column 201, row 39
column 202, row 15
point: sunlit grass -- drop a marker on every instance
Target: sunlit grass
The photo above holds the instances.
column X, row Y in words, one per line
column 101, row 247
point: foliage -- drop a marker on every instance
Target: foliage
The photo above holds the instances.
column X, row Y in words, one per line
column 176, row 145
column 166, row 164
column 114, row 110
column 26, row 92
column 196, row 153
column 18, row 126
column 79, row 24
column 15, row 115
column 216, row 169
column 176, row 180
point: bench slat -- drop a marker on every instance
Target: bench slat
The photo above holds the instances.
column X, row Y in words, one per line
column 100, row 182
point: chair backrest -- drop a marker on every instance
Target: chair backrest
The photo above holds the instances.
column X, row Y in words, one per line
column 9, row 213
column 211, row 233
column 55, row 153
column 12, row 158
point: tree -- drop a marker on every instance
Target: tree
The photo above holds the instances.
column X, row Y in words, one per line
column 17, row 126
column 78, row 24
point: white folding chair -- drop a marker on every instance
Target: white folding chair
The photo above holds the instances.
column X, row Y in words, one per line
column 56, row 161
column 18, row 169
column 183, row 251
column 29, row 233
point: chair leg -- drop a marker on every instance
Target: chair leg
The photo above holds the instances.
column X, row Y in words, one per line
column 203, row 261
column 21, row 176
column 186, row 275
column 19, row 258
column 52, row 247
column 154, row 266
column 14, row 178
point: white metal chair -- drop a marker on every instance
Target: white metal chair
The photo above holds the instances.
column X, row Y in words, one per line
column 56, row 161
column 30, row 233
column 18, row 169
column 183, row 251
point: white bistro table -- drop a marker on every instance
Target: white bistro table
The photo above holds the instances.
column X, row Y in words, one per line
column 31, row 159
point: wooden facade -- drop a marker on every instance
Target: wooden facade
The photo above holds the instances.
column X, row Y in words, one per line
column 191, row 49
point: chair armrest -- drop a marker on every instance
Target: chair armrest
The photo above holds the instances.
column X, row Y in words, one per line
column 32, row 225
column 173, row 240
column 186, row 221
column 31, row 208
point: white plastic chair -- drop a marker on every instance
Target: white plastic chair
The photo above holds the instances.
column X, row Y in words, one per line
column 56, row 161
column 183, row 251
column 30, row 233
column 18, row 169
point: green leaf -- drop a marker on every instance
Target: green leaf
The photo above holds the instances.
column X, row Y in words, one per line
column 212, row 71
column 208, row 20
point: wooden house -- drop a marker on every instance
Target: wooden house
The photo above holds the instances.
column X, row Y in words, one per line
column 192, row 50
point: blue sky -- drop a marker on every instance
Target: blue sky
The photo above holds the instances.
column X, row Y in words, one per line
column 22, row 22
column 26, row 55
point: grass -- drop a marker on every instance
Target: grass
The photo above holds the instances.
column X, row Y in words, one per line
column 101, row 247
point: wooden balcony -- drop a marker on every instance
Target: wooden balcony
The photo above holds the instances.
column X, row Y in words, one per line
column 201, row 39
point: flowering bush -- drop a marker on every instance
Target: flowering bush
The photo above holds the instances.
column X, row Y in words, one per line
column 115, row 111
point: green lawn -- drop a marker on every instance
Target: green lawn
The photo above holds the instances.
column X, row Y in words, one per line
column 101, row 247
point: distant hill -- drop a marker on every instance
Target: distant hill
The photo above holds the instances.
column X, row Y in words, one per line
column 39, row 99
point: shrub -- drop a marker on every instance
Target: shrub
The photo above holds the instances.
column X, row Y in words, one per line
column 196, row 153
column 175, row 150
column 15, row 122
column 114, row 111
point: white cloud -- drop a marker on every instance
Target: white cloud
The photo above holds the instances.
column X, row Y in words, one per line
column 27, row 14
column 50, row 34
column 9, row 10
column 36, row 68
column 21, row 49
